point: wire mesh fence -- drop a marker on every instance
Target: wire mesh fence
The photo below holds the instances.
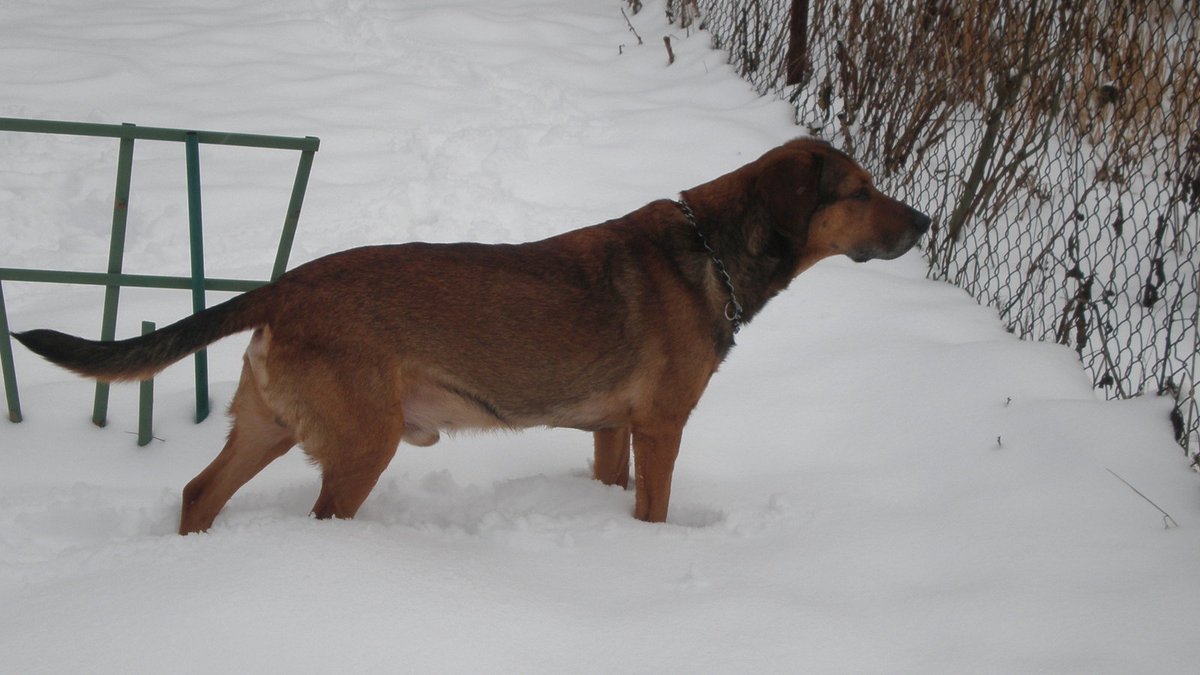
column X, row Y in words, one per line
column 1055, row 144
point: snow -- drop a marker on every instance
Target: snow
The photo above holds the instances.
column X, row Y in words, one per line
column 879, row 479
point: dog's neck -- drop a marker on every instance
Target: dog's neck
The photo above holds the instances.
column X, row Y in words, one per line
column 733, row 308
column 737, row 231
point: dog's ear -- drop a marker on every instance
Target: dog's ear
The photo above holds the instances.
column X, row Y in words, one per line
column 790, row 189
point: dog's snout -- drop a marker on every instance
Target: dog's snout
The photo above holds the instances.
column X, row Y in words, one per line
column 919, row 221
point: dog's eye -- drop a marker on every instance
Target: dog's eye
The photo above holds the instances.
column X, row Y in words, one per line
column 860, row 195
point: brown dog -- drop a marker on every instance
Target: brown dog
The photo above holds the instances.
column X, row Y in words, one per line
column 614, row 329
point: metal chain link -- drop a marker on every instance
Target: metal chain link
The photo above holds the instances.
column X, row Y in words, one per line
column 733, row 308
column 1055, row 144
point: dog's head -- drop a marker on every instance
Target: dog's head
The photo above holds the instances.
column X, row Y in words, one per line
column 826, row 204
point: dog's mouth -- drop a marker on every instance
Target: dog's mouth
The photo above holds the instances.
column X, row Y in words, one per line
column 917, row 227
column 899, row 248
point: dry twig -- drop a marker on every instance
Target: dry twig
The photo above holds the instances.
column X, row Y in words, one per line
column 630, row 24
column 1168, row 521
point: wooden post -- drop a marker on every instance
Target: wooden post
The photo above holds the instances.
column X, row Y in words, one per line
column 797, row 53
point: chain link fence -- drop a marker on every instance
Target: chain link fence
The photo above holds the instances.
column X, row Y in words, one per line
column 1055, row 144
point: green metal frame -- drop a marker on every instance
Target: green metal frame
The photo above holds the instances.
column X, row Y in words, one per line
column 113, row 279
column 146, row 400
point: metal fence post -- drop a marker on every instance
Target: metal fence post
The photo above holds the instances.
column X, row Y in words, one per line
column 146, row 400
column 196, row 230
column 6, row 364
column 116, row 256
column 293, row 214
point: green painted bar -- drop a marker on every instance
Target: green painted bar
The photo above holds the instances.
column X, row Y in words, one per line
column 114, row 278
column 293, row 215
column 116, row 257
column 132, row 280
column 196, row 232
column 146, row 401
column 158, row 134
column 7, row 365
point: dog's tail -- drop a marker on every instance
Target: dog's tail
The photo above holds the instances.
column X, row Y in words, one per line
column 141, row 357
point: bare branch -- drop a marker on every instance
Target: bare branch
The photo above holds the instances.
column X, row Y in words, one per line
column 1168, row 521
column 630, row 24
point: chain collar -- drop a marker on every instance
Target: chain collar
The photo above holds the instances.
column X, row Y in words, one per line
column 733, row 308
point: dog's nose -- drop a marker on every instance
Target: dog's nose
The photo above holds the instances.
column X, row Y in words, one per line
column 920, row 222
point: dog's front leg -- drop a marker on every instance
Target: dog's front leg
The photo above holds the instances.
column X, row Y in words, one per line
column 611, row 465
column 655, row 447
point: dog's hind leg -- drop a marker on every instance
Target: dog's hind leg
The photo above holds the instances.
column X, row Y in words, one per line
column 255, row 440
column 350, row 470
column 611, row 465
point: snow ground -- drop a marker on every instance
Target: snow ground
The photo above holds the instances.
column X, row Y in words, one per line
column 880, row 479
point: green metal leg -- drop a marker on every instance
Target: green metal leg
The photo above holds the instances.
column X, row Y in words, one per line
column 146, row 401
column 196, row 229
column 293, row 214
column 6, row 364
column 116, row 256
